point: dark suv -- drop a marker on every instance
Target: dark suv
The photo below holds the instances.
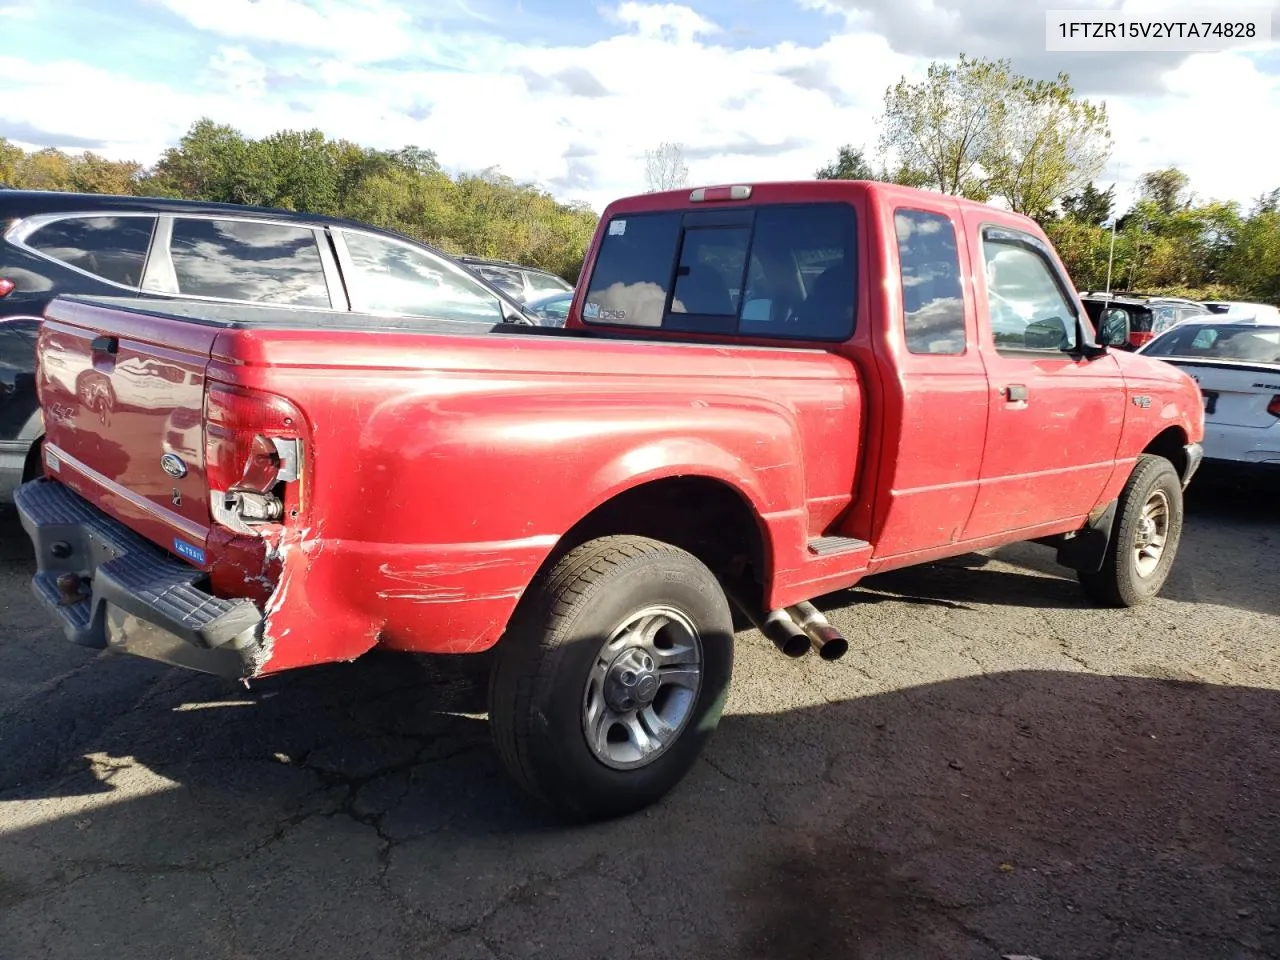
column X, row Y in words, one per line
column 523, row 283
column 1149, row 316
column 67, row 243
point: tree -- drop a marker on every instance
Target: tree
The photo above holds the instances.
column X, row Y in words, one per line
column 1090, row 206
column 850, row 164
column 976, row 129
column 664, row 167
column 1167, row 189
column 1045, row 143
column 942, row 127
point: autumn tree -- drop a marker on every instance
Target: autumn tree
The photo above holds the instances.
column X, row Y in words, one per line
column 976, row 129
column 1045, row 144
column 946, row 124
column 664, row 167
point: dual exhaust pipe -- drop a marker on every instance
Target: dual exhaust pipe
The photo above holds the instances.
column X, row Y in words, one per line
column 797, row 629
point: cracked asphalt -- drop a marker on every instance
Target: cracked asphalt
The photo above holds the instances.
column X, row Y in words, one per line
column 994, row 769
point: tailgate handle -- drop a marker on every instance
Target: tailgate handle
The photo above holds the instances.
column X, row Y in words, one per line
column 109, row 345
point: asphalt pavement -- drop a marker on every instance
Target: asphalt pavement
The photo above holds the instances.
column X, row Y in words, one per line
column 994, row 769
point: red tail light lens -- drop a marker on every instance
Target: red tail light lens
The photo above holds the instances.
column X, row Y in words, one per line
column 1139, row 337
column 6, row 287
column 1273, row 407
column 240, row 426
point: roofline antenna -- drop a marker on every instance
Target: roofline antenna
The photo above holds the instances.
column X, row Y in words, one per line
column 1110, row 259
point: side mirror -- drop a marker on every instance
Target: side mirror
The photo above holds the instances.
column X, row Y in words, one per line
column 514, row 314
column 1048, row 334
column 1113, row 329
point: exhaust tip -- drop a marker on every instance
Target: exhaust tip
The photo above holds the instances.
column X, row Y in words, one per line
column 834, row 649
column 795, row 646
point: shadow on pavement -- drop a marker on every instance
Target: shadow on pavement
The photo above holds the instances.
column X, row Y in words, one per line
column 360, row 809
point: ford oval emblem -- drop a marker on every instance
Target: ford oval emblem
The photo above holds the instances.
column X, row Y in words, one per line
column 173, row 466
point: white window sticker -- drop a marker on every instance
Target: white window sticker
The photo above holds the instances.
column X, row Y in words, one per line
column 617, row 228
column 591, row 310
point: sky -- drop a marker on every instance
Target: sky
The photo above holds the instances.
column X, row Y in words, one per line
column 571, row 93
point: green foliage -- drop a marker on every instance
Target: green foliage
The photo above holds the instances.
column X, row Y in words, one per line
column 1090, row 206
column 976, row 129
column 404, row 190
column 849, row 164
column 1169, row 243
column 944, row 125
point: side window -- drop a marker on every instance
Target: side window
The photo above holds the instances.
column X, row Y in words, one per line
column 393, row 277
column 1029, row 311
column 113, row 248
column 932, row 298
column 545, row 282
column 245, row 260
column 709, row 277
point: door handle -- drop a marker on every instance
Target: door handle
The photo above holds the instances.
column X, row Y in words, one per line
column 1014, row 393
column 105, row 345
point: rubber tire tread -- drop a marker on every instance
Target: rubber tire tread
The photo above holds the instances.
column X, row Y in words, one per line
column 527, row 656
column 1115, row 585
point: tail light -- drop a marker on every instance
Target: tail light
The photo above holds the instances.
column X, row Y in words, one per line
column 6, row 287
column 253, row 453
column 1273, row 407
column 1139, row 337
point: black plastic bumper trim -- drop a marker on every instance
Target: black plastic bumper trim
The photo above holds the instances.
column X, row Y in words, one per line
column 134, row 597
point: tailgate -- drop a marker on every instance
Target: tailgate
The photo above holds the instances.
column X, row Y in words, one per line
column 123, row 396
column 1235, row 395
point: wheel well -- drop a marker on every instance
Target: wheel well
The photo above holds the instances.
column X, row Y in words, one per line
column 706, row 517
column 33, row 467
column 1171, row 444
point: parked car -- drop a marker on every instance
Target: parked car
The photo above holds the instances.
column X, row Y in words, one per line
column 762, row 395
column 522, row 283
column 1147, row 316
column 1237, row 366
column 552, row 309
column 55, row 243
column 1239, row 310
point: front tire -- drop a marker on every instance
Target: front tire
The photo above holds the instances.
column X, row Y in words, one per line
column 1144, row 541
column 612, row 676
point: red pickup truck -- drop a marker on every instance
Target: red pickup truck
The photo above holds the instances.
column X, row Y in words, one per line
column 762, row 394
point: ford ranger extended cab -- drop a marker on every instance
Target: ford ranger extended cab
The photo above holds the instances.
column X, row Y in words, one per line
column 762, row 394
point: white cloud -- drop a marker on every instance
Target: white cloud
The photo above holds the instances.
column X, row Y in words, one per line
column 356, row 29
column 579, row 119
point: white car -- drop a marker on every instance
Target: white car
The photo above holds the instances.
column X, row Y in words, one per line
column 1239, row 310
column 1237, row 365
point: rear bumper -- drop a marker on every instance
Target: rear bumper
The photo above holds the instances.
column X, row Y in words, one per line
column 107, row 587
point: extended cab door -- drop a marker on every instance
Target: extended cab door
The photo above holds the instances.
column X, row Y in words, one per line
column 1055, row 415
column 935, row 408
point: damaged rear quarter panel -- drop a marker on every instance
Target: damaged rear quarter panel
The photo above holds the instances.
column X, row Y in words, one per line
column 444, row 469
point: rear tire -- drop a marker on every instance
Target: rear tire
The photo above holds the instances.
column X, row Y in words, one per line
column 1144, row 541
column 612, row 676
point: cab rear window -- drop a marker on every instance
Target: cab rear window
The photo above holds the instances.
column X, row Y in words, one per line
column 775, row 271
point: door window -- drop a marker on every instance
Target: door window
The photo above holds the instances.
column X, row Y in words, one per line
column 110, row 248
column 248, row 260
column 392, row 277
column 1028, row 309
column 932, row 298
